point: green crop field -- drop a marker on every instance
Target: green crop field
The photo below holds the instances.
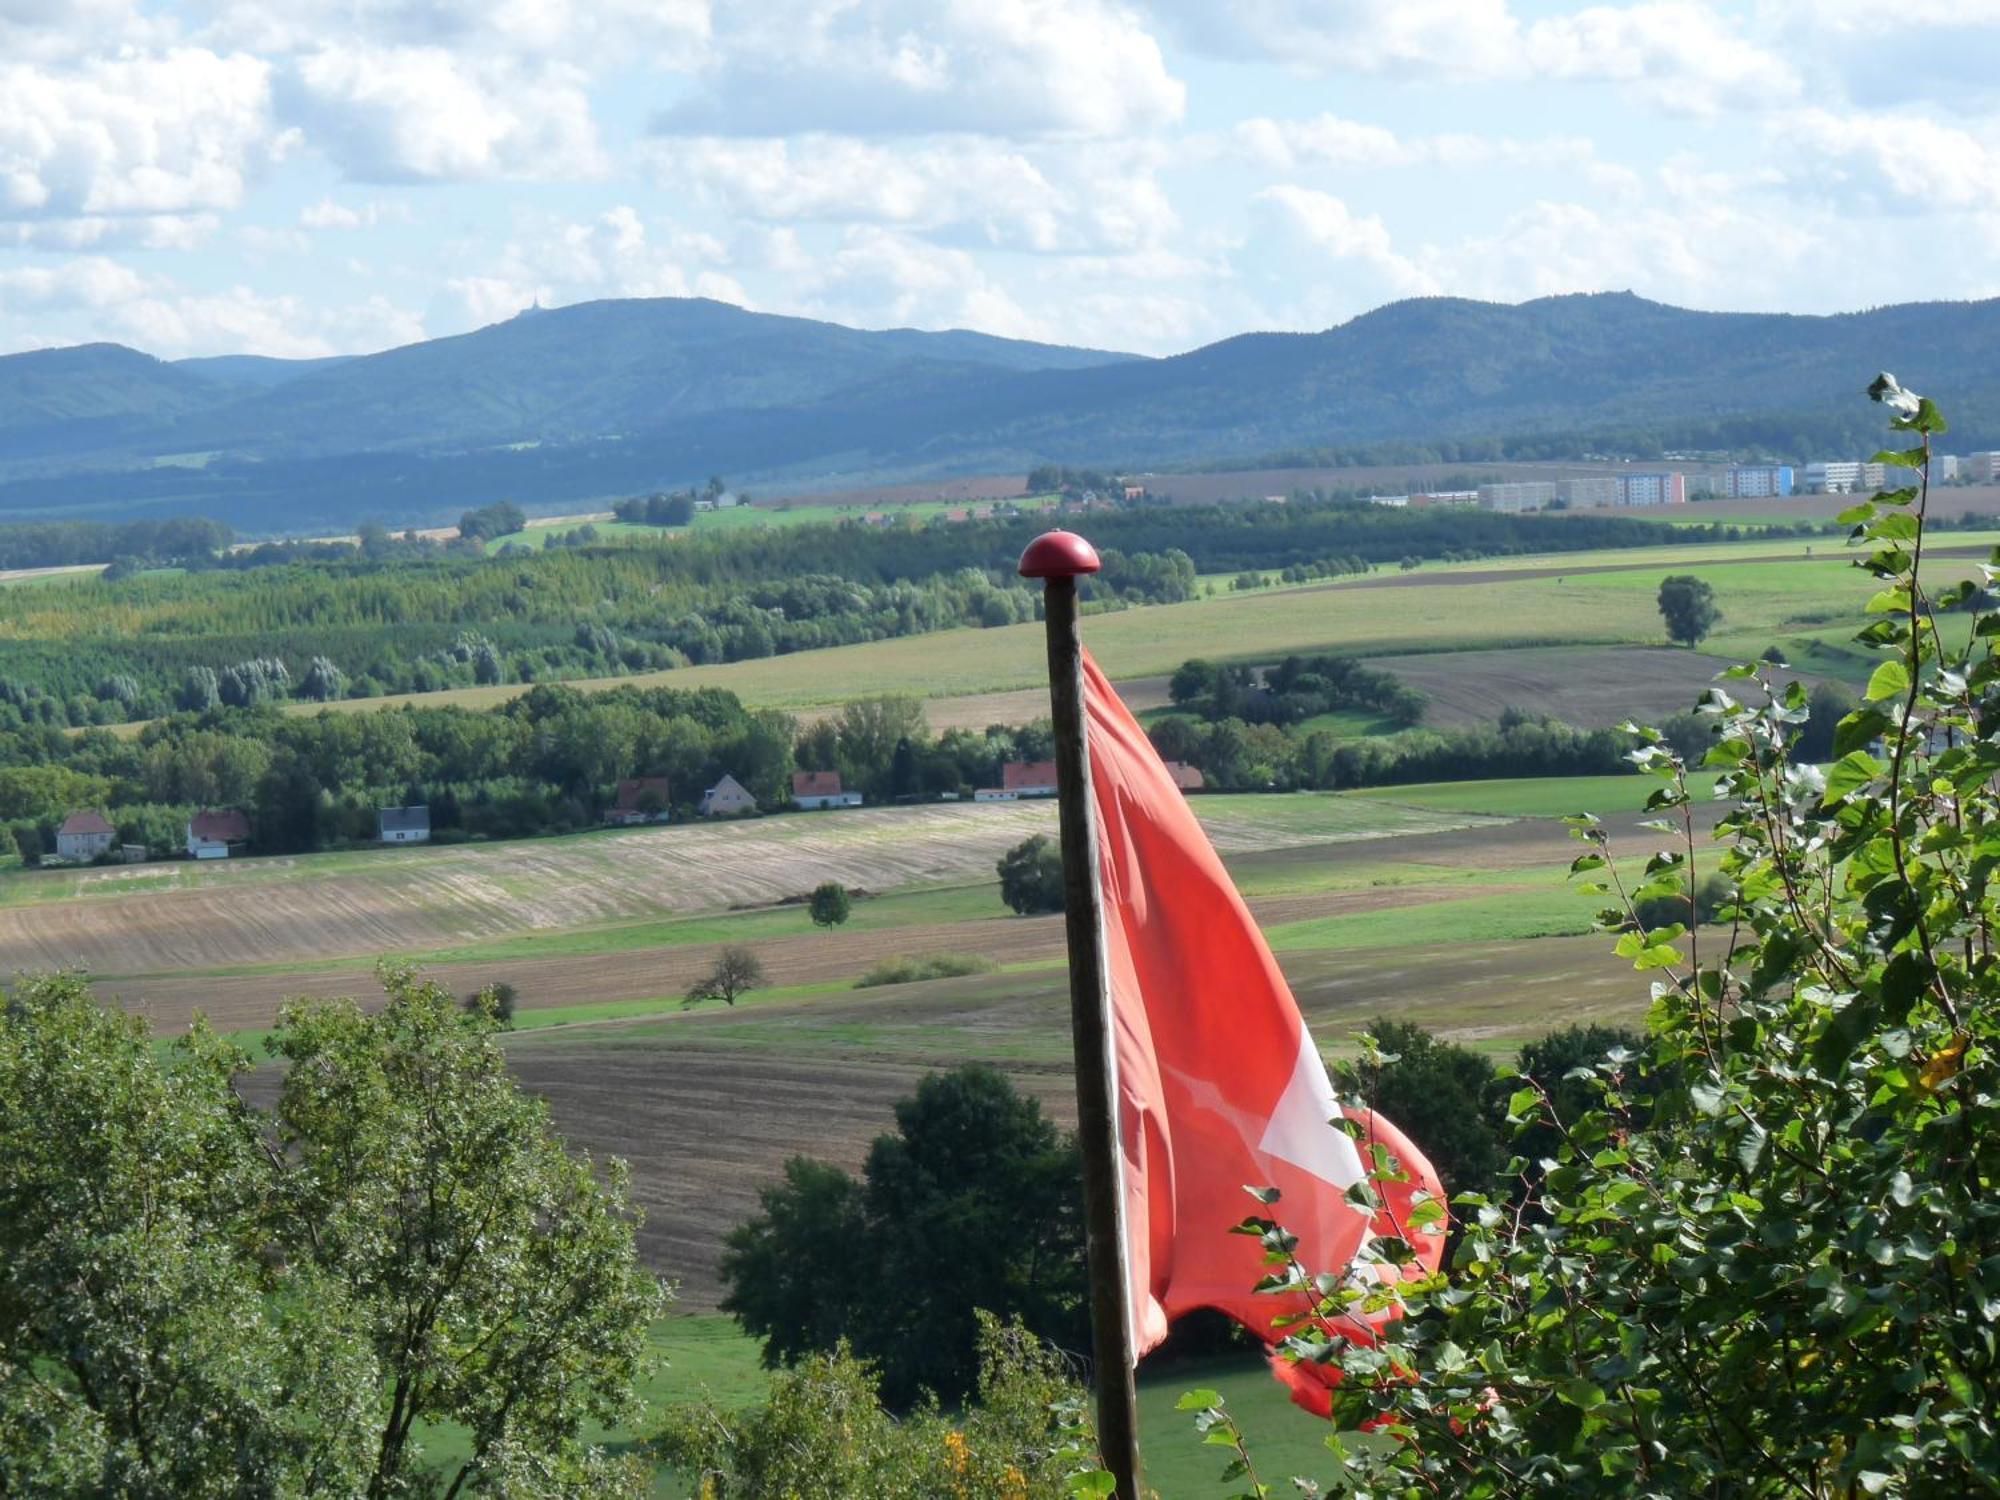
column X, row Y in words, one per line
column 1530, row 797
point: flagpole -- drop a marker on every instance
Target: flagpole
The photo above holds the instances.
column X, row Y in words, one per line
column 1059, row 557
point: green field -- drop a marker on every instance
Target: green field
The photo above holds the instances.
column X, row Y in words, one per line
column 1531, row 797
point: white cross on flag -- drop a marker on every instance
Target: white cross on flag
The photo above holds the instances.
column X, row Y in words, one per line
column 1218, row 1083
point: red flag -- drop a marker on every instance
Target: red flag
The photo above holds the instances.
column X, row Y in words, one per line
column 1219, row 1085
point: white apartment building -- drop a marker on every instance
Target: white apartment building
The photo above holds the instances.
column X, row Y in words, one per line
column 1588, row 494
column 1518, row 495
column 1833, row 477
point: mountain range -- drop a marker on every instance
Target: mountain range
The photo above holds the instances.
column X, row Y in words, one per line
column 559, row 407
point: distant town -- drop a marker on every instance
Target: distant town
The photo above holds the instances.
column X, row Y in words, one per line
column 1677, row 487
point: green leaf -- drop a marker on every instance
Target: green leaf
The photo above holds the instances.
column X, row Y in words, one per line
column 1905, row 458
column 1198, row 1400
column 1092, row 1484
column 1850, row 773
column 1585, row 1395
column 1889, row 680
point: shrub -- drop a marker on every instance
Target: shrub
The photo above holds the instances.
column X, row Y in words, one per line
column 829, row 905
column 1777, row 1275
column 912, row 969
column 824, row 1431
column 1031, row 876
column 975, row 1202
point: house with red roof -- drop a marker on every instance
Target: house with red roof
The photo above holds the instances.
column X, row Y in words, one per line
column 639, row 799
column 217, row 833
column 1018, row 779
column 84, row 835
column 816, row 789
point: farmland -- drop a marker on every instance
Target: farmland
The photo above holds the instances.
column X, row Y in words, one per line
column 1503, row 605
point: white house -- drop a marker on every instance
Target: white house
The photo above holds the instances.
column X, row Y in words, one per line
column 727, row 796
column 403, row 825
column 216, row 833
column 84, row 835
column 815, row 789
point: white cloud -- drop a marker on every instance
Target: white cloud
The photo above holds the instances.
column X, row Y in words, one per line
column 417, row 114
column 100, row 298
column 1466, row 38
column 1901, row 162
column 1328, row 140
column 598, row 32
column 1008, row 67
column 969, row 189
column 328, row 214
column 880, row 277
column 1328, row 227
column 615, row 255
column 165, row 134
column 1683, row 53
column 137, row 232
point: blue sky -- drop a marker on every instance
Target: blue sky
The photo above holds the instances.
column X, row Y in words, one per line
column 305, row 177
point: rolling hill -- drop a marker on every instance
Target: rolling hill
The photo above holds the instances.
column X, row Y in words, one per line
column 557, row 407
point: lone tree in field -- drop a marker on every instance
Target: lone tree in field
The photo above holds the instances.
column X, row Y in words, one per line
column 1031, row 877
column 829, row 905
column 736, row 972
column 1687, row 604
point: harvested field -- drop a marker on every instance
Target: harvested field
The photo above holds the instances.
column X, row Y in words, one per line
column 317, row 911
column 1020, row 706
column 1585, row 685
column 706, row 1116
column 248, row 1002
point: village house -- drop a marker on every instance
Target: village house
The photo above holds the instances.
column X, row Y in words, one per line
column 1188, row 778
column 84, row 835
column 1018, row 779
column 639, row 799
column 217, row 833
column 816, row 789
column 403, row 825
column 727, row 796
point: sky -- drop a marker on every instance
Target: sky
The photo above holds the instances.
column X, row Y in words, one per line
column 312, row 177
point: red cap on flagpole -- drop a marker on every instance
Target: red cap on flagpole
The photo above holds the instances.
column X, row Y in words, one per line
column 1058, row 554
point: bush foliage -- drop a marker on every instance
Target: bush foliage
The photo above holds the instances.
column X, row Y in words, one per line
column 1764, row 1258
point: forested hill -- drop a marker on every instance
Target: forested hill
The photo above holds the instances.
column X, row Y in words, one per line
column 555, row 408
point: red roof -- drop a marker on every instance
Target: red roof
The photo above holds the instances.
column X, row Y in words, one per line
column 1028, row 775
column 1188, row 778
column 815, row 783
column 89, row 820
column 225, row 825
column 632, row 789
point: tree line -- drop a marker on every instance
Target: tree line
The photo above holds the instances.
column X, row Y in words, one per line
column 546, row 762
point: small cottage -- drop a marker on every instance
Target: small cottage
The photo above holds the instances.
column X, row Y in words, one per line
column 815, row 789
column 639, row 799
column 1188, row 778
column 403, row 825
column 725, row 798
column 84, row 835
column 217, row 833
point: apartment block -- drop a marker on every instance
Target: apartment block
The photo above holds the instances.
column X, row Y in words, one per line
column 1982, row 468
column 1757, row 481
column 1519, row 495
column 1652, row 489
column 1833, row 477
column 1588, row 494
